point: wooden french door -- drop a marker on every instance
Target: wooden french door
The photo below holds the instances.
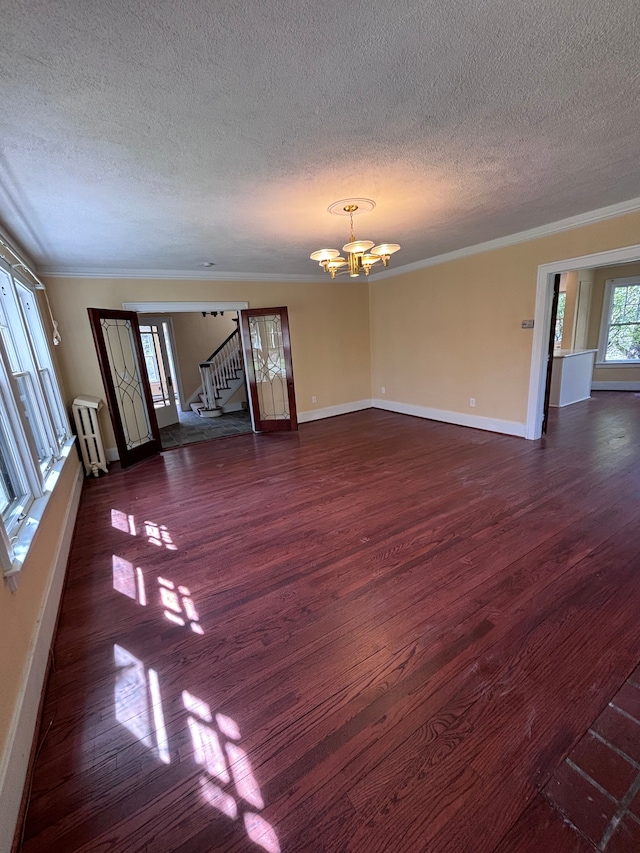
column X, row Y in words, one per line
column 117, row 339
column 267, row 355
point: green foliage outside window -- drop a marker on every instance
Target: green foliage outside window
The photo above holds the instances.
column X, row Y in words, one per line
column 562, row 300
column 623, row 342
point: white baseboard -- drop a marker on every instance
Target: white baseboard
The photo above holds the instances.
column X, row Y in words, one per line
column 458, row 418
column 616, row 386
column 112, row 454
column 475, row 421
column 232, row 407
column 15, row 759
column 332, row 411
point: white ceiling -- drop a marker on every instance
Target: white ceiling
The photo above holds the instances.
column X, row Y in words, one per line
column 159, row 134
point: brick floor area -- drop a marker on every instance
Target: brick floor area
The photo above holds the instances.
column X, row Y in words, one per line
column 597, row 788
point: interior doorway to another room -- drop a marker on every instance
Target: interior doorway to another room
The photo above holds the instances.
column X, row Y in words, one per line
column 590, row 348
column 177, row 346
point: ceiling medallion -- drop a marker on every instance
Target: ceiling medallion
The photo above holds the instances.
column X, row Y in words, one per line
column 361, row 254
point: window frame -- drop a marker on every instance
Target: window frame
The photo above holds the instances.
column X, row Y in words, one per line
column 27, row 337
column 605, row 323
column 43, row 364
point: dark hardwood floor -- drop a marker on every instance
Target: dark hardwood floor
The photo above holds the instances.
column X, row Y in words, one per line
column 393, row 632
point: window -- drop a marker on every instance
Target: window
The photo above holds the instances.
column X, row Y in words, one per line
column 620, row 329
column 44, row 362
column 13, row 491
column 33, row 423
column 562, row 302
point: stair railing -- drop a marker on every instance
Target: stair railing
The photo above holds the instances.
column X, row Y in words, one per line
column 220, row 368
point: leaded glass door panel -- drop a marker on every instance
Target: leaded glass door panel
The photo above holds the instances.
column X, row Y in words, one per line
column 267, row 350
column 117, row 338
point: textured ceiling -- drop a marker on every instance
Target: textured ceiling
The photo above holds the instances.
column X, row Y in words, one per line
column 163, row 133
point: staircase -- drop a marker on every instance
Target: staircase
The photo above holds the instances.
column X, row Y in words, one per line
column 222, row 374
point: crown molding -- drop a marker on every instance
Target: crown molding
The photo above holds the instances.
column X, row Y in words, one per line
column 588, row 218
column 182, row 307
column 178, row 275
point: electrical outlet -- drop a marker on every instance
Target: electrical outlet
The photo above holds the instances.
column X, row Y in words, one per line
column 472, row 401
column 314, row 399
column 383, row 389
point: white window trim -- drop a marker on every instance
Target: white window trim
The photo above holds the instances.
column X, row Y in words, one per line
column 35, row 358
column 13, row 551
column 40, row 481
column 16, row 418
column 605, row 320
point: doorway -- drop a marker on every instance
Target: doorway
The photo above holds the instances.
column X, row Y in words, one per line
column 542, row 322
column 157, row 347
column 178, row 349
column 264, row 356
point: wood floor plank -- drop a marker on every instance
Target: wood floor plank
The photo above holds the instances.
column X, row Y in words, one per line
column 402, row 628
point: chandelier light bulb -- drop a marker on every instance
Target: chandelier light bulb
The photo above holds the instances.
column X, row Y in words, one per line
column 358, row 247
column 384, row 251
column 324, row 255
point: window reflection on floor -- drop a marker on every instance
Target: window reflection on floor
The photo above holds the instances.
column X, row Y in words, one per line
column 138, row 704
column 124, row 522
column 156, row 534
column 207, row 738
column 228, row 783
column 217, row 798
column 129, row 580
column 179, row 606
column 261, row 832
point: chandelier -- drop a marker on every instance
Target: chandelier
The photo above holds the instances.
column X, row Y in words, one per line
column 361, row 254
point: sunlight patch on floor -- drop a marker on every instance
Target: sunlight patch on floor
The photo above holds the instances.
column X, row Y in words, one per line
column 208, row 753
column 122, row 521
column 179, row 606
column 138, row 702
column 228, row 783
column 156, row 534
column 129, row 580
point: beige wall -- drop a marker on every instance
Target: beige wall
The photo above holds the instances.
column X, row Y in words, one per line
column 438, row 336
column 571, row 289
column 628, row 373
column 446, row 333
column 196, row 337
column 329, row 324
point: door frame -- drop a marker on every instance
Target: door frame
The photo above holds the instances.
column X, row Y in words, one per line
column 542, row 322
column 159, row 308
